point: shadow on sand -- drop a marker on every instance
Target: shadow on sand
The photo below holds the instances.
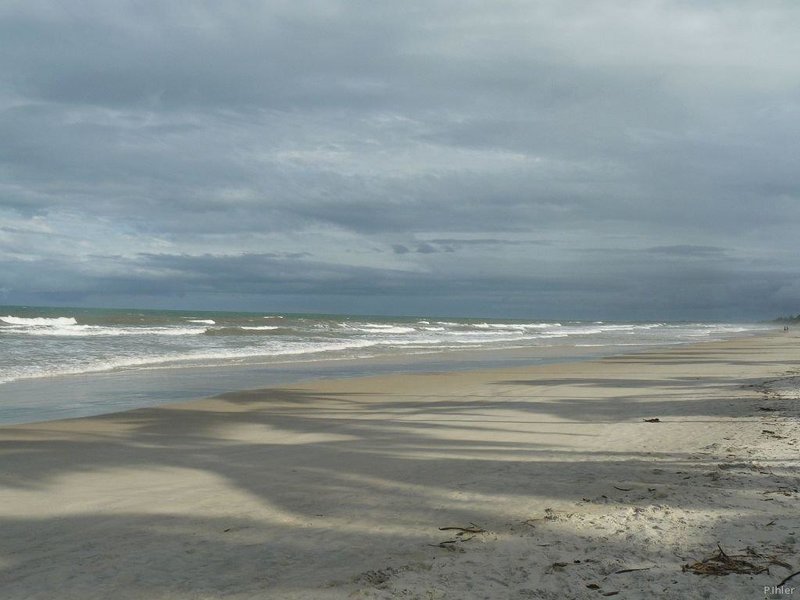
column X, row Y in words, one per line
column 318, row 480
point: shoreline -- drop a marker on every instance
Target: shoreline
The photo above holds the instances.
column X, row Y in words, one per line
column 338, row 488
column 80, row 395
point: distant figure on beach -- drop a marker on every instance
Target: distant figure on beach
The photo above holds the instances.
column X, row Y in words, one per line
column 786, row 328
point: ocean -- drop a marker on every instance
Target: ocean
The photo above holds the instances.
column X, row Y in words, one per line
column 71, row 362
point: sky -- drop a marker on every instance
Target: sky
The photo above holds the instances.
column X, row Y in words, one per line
column 588, row 160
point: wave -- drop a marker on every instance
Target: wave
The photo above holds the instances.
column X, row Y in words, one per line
column 250, row 330
column 199, row 358
column 484, row 333
column 73, row 330
column 39, row 321
column 388, row 329
column 515, row 326
column 377, row 328
column 103, row 341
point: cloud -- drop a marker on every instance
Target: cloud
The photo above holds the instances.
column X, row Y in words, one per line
column 688, row 250
column 547, row 151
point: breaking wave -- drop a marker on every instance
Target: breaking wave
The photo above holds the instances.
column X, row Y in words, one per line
column 39, row 321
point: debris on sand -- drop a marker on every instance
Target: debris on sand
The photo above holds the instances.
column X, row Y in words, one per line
column 470, row 531
column 724, row 564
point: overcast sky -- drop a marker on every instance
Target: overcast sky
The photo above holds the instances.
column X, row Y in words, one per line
column 535, row 159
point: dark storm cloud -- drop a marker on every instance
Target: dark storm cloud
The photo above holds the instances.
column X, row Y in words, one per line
column 421, row 150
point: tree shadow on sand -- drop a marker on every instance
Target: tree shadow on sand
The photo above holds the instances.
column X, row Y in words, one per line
column 315, row 481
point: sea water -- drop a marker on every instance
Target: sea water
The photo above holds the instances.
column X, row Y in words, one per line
column 68, row 362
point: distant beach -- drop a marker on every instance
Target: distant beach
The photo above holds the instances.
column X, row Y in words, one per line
column 635, row 475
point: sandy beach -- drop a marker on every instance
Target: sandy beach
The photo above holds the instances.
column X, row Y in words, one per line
column 539, row 482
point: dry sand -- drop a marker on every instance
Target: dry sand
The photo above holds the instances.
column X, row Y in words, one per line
column 338, row 489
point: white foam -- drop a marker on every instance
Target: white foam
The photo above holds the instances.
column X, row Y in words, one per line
column 420, row 341
column 516, row 327
column 139, row 345
column 388, row 329
column 483, row 334
column 39, row 321
column 98, row 330
column 183, row 359
column 376, row 328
